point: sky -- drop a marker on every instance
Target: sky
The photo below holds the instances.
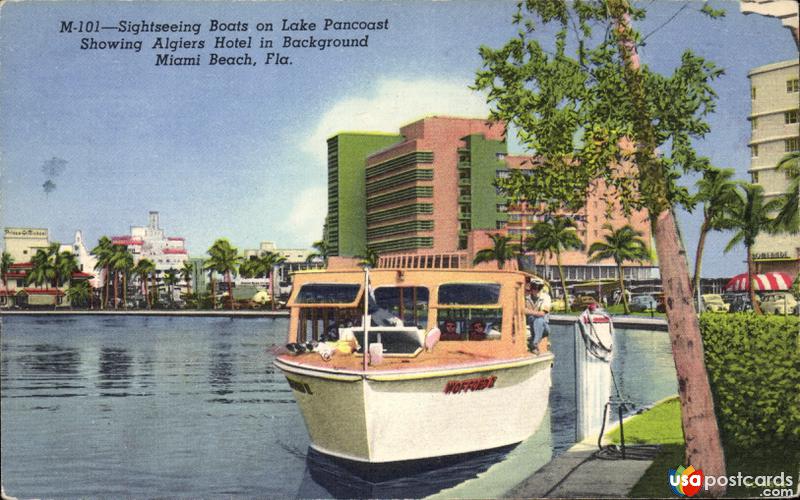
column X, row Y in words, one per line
column 239, row 151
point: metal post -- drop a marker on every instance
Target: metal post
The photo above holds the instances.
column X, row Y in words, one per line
column 366, row 319
column 621, row 430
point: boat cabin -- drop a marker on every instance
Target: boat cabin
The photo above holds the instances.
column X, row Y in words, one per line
column 416, row 315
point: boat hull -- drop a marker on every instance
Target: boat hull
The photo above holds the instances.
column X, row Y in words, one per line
column 381, row 417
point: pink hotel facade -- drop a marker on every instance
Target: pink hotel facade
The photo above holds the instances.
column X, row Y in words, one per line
column 430, row 193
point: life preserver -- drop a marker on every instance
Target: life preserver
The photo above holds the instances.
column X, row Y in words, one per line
column 597, row 331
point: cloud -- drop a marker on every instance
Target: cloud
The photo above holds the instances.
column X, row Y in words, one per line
column 392, row 104
column 307, row 215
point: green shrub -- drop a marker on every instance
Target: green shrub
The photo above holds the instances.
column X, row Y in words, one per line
column 754, row 366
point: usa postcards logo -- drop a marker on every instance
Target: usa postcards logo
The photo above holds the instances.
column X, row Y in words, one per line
column 686, row 481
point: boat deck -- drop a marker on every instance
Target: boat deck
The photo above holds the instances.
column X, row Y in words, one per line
column 444, row 354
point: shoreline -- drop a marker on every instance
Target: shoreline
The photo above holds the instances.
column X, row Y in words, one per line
column 657, row 324
column 174, row 313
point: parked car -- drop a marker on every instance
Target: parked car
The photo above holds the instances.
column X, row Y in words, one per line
column 713, row 302
column 558, row 304
column 738, row 302
column 778, row 303
column 581, row 302
column 641, row 303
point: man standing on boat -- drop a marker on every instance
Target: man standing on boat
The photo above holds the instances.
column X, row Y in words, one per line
column 537, row 312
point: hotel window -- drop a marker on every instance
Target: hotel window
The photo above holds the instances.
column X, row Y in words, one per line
column 790, row 116
column 792, row 144
column 754, row 175
column 793, row 85
column 502, row 225
column 500, row 156
column 503, row 174
column 502, row 208
column 754, row 151
column 753, row 123
column 752, row 93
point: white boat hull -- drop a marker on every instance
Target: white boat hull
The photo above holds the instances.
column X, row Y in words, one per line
column 409, row 415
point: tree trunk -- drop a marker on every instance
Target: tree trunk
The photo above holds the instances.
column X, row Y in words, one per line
column 703, row 444
column 125, row 290
column 230, row 288
column 105, row 285
column 213, row 293
column 116, row 290
column 751, row 281
column 698, row 256
column 563, row 282
column 272, row 287
column 623, row 297
column 701, row 433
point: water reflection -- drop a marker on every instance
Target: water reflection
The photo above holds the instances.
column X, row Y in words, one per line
column 221, row 371
column 417, row 479
column 50, row 359
column 114, row 370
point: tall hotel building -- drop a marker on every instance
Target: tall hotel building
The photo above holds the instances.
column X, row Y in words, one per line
column 430, row 191
column 346, row 222
column 774, row 120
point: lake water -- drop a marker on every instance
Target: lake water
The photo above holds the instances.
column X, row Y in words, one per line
column 163, row 407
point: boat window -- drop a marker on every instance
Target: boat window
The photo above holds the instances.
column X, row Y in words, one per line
column 317, row 321
column 469, row 294
column 409, row 303
column 469, row 322
column 327, row 293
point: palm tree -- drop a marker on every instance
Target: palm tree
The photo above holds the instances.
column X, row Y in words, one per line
column 501, row 251
column 224, row 260
column 370, row 258
column 121, row 263
column 42, row 269
column 267, row 262
column 170, row 279
column 788, row 218
column 717, row 191
column 103, row 252
column 78, row 293
column 555, row 236
column 144, row 269
column 66, row 264
column 322, row 251
column 186, row 275
column 623, row 244
column 43, row 266
column 752, row 215
column 5, row 265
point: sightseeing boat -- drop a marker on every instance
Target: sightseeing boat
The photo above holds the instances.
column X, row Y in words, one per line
column 419, row 392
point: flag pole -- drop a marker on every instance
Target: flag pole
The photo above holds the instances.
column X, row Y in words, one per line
column 366, row 319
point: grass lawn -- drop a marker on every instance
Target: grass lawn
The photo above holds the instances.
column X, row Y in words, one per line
column 662, row 425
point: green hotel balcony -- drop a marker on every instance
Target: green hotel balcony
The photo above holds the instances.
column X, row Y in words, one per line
column 464, row 216
column 464, row 182
column 464, row 164
column 465, row 198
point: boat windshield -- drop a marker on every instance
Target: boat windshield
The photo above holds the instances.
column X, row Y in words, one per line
column 327, row 293
column 469, row 293
column 409, row 303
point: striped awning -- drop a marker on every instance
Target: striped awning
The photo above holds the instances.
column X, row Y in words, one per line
column 766, row 281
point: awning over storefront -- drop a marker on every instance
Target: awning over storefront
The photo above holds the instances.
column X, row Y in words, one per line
column 765, row 282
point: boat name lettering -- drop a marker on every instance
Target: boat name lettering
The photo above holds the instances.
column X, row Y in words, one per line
column 299, row 386
column 472, row 384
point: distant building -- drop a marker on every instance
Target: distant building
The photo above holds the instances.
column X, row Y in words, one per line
column 151, row 242
column 23, row 242
column 295, row 260
column 86, row 261
column 775, row 125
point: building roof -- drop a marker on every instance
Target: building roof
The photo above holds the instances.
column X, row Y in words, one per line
column 174, row 250
column 42, row 291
